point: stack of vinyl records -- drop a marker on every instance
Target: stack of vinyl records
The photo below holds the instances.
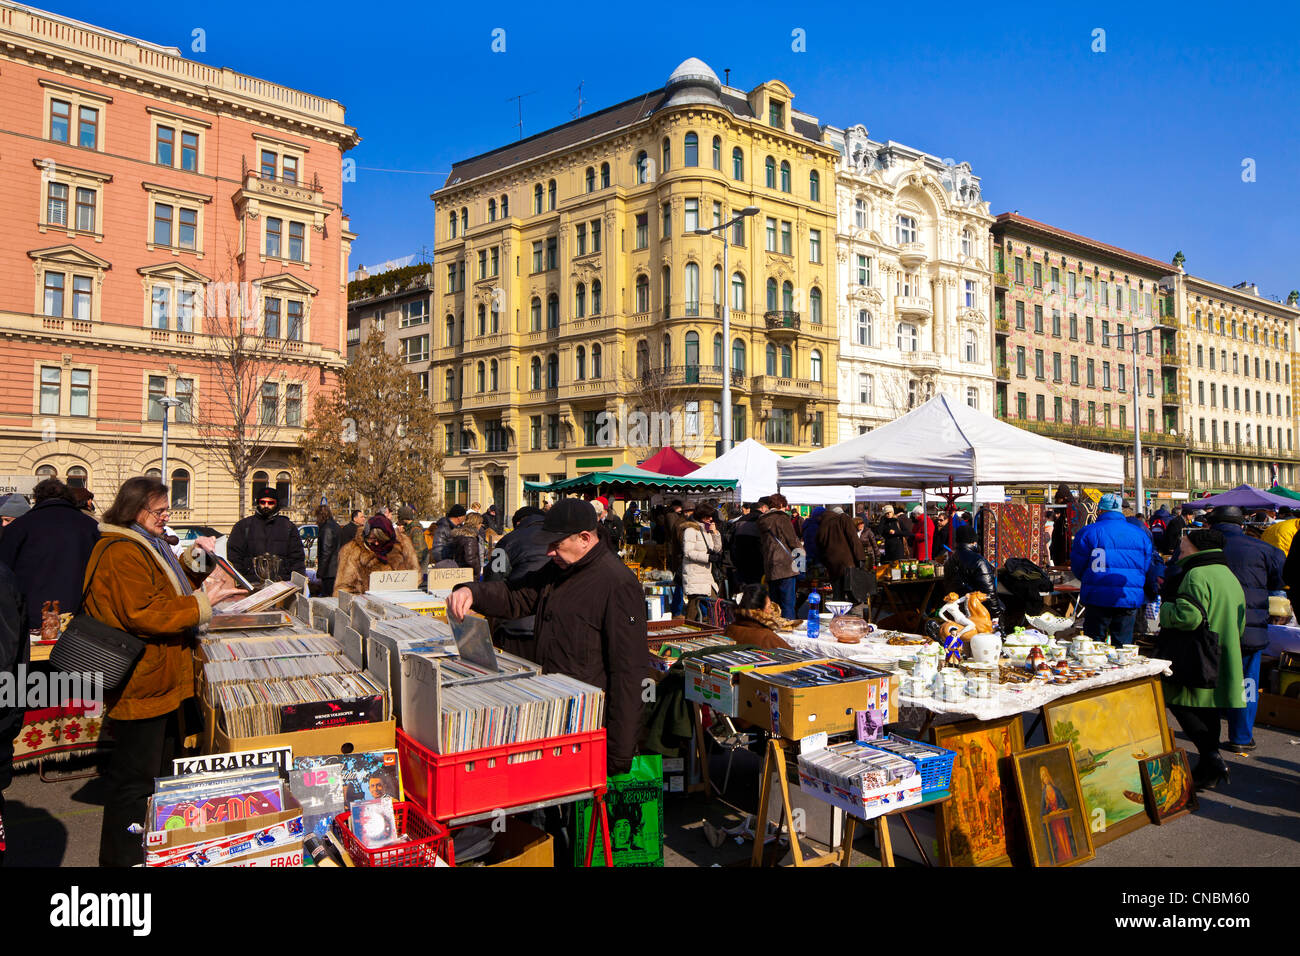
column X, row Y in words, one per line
column 256, row 648
column 305, row 703
column 496, row 713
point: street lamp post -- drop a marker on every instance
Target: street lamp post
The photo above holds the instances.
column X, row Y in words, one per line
column 726, row 320
column 167, row 403
column 1137, row 431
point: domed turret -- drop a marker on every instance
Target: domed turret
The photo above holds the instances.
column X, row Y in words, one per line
column 693, row 82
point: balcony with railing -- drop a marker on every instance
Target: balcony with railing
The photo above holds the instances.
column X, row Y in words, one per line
column 912, row 253
column 782, row 323
column 1002, row 280
column 1004, row 373
column 1002, row 327
column 689, row 376
column 915, row 306
column 776, row 385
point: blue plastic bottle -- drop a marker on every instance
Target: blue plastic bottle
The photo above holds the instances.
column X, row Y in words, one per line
column 814, row 615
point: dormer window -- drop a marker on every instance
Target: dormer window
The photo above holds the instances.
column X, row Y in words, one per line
column 776, row 114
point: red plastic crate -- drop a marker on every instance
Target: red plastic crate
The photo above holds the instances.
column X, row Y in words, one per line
column 476, row 781
column 428, row 840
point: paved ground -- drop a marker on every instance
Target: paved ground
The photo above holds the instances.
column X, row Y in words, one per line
column 1253, row 821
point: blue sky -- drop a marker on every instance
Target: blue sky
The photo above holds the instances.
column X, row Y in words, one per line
column 1140, row 146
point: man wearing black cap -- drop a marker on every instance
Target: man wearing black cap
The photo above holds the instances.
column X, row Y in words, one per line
column 1258, row 566
column 266, row 534
column 441, row 548
column 589, row 619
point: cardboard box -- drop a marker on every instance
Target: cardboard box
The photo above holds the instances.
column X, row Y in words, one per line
column 796, row 712
column 720, row 687
column 350, row 738
column 522, row 845
column 864, row 804
column 255, row 841
column 447, row 578
column 1278, row 711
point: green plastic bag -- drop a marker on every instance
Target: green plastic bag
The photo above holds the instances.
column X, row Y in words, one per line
column 634, row 804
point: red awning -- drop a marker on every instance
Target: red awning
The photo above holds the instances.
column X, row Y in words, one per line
column 669, row 461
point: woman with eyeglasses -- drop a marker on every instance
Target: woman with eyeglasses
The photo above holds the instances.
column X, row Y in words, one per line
column 136, row 583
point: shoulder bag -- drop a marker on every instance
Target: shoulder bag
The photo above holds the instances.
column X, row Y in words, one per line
column 1193, row 654
column 89, row 646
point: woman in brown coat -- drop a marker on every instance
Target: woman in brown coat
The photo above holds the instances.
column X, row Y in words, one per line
column 135, row 582
column 380, row 547
column 757, row 620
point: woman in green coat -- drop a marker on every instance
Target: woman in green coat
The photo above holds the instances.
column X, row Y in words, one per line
column 1202, row 574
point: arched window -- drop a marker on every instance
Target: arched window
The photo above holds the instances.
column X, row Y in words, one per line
column 692, row 276
column 260, row 480
column 691, row 150
column 552, row 371
column 604, row 175
column 737, row 163
column 449, row 393
column 967, row 242
column 642, row 293
column 738, row 356
column 717, row 153
column 787, row 362
column 505, row 207
column 282, row 489
column 692, row 350
column 492, row 210
column 537, row 199
column 642, row 359
column 482, row 319
column 76, row 477
column 451, row 330
column 494, row 377
column 667, row 155
column 814, row 186
column 552, row 311
column 595, row 360
column 787, row 296
column 452, row 223
column 580, row 301
column 771, row 295
column 180, row 488
column 769, row 173
column 481, row 378
column 535, row 373
column 580, row 363
column 906, row 230
column 815, row 305
column 738, row 292
column 49, row 471
column 642, row 167
column 591, row 179
column 667, row 353
column 535, row 311
column 717, row 350
column 464, row 220
column 906, row 337
column 595, row 297
column 550, row 195
column 972, row 347
column 866, row 328
column 771, row 359
column 815, row 365
column 785, row 176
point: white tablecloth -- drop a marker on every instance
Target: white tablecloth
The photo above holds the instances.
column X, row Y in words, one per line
column 1007, row 699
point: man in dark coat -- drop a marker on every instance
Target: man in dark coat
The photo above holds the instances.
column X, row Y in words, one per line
column 329, row 541
column 1258, row 566
column 266, row 532
column 441, row 548
column 968, row 570
column 47, row 549
column 14, row 651
column 589, row 619
column 1173, row 532
column 809, row 535
column 520, row 553
column 746, row 549
column 673, row 522
column 839, row 546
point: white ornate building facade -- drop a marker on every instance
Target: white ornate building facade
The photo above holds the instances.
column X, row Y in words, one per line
column 914, row 281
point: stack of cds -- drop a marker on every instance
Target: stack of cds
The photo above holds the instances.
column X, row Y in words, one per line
column 816, row 675
column 860, row 779
column 752, row 657
column 496, row 713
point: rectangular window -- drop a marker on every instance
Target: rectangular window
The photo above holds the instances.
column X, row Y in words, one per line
column 1105, row 375
column 1073, row 287
column 1088, row 333
column 293, row 317
column 786, row 247
column 580, row 236
column 85, row 209
column 1105, row 334
column 496, row 262
column 162, row 224
column 164, row 147
column 185, row 310
column 771, row 236
column 717, row 214
column 270, row 403
column 595, row 235
column 815, row 247
column 297, row 240
column 1104, row 298
column 1056, row 366
column 187, row 231
column 552, row 253
column 185, row 395
column 81, row 298
column 54, row 293
column 1038, row 320
column 1040, row 407
column 56, row 205
column 415, row 349
column 1020, row 361
column 292, row 405
column 79, row 403
column 160, row 306
column 273, row 229
column 60, row 120
column 269, row 164
column 1020, row 271
column 738, row 232
column 667, row 220
column 1092, row 374
column 1074, row 370
column 1056, row 280
column 1120, row 366
column 157, row 391
column 864, row 270
column 1058, row 406
column 692, row 215
column 1020, row 316
column 1074, row 327
column 779, row 429
column 51, row 386
column 1038, row 275
column 642, row 230
column 1038, row 364
column 289, row 169
column 970, row 293
column 272, row 313
column 88, row 127
column 537, row 256
column 190, row 152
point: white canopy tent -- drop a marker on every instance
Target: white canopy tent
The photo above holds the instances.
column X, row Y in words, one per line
column 944, row 441
column 751, row 464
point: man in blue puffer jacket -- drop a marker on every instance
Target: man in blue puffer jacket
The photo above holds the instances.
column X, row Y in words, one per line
column 1258, row 566
column 1110, row 557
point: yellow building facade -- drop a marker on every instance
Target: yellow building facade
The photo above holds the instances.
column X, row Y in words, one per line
column 577, row 319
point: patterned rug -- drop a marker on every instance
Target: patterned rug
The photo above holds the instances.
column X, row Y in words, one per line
column 59, row 733
column 1016, row 531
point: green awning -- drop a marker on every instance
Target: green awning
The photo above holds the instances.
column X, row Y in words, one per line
column 1284, row 492
column 630, row 479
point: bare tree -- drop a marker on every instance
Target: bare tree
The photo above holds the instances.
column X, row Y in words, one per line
column 656, row 411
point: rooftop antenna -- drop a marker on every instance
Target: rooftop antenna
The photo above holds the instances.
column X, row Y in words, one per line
column 519, row 100
column 578, row 112
column 726, row 74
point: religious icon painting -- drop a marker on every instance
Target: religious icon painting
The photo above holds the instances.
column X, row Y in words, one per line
column 1052, row 807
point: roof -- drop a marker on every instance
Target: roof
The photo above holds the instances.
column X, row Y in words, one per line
column 669, row 461
column 1033, row 225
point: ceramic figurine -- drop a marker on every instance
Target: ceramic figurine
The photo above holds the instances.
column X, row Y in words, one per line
column 986, row 648
column 1035, row 662
column 951, row 611
column 952, row 647
column 977, row 613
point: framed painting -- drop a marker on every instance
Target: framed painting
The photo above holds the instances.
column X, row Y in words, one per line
column 974, row 827
column 1051, row 805
column 1167, row 786
column 1111, row 730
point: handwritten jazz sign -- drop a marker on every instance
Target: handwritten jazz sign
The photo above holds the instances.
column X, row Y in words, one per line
column 394, row 580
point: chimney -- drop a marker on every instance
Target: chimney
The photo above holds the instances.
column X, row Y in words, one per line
column 1247, row 287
